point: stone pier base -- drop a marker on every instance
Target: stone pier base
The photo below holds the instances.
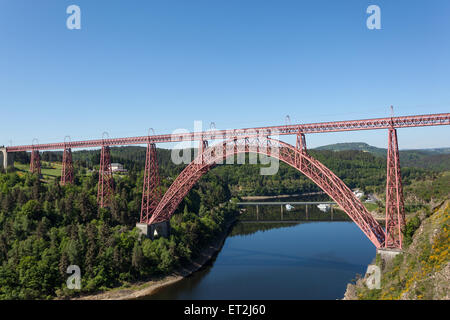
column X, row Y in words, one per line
column 8, row 159
column 155, row 230
column 387, row 255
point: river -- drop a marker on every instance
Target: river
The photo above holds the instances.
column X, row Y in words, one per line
column 280, row 260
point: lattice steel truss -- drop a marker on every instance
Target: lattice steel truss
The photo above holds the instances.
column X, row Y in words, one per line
column 67, row 167
column 307, row 128
column 244, row 140
column 105, row 191
column 35, row 163
column 151, row 194
column 395, row 214
column 297, row 158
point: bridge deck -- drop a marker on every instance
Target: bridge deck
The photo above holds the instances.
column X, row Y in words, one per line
column 321, row 127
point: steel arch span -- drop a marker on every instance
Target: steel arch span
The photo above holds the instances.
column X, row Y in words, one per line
column 295, row 157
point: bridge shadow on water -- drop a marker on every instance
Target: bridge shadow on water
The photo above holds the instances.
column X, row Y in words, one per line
column 247, row 226
column 256, row 258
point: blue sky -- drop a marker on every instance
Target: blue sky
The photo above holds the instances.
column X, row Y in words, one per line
column 238, row 63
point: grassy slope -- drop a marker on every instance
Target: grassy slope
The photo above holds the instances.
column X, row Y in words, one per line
column 423, row 270
column 49, row 170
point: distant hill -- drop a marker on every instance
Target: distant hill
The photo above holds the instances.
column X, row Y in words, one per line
column 435, row 158
column 360, row 146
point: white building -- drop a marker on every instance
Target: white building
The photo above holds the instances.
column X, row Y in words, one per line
column 117, row 167
column 358, row 193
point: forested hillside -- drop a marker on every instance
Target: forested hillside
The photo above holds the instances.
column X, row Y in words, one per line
column 434, row 159
column 44, row 227
column 358, row 169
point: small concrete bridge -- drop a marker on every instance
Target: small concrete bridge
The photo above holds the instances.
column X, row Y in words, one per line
column 275, row 203
column 284, row 203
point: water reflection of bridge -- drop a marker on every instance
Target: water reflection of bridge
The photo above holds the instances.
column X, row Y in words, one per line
column 298, row 211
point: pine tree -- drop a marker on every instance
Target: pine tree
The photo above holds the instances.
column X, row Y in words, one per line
column 137, row 260
column 63, row 264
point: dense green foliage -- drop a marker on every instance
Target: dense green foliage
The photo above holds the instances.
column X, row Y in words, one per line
column 364, row 168
column 357, row 169
column 45, row 227
column 410, row 228
column 433, row 159
column 433, row 187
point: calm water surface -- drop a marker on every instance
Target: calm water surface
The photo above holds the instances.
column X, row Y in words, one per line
column 310, row 260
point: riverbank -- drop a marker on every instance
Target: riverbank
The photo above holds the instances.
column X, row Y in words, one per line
column 142, row 289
